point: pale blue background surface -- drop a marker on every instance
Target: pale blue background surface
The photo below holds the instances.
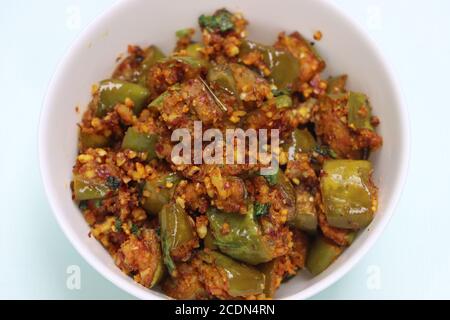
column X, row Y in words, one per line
column 412, row 258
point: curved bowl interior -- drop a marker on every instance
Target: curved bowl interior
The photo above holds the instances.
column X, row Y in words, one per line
column 345, row 48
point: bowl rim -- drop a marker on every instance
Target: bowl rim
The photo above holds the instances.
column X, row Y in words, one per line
column 134, row 289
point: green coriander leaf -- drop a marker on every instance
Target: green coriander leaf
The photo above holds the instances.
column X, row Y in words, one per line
column 326, row 152
column 273, row 178
column 224, row 20
column 183, row 33
column 97, row 203
column 118, row 225
column 113, row 182
column 166, row 255
column 220, row 21
column 278, row 92
column 83, row 205
column 261, row 209
column 134, row 229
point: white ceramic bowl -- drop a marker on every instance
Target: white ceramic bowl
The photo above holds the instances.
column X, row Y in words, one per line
column 345, row 47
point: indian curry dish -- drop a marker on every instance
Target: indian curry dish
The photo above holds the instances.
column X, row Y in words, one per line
column 211, row 231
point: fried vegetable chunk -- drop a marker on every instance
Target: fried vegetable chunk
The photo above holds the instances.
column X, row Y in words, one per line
column 285, row 266
column 348, row 193
column 339, row 236
column 305, row 216
column 187, row 285
column 181, row 105
column 113, row 92
column 277, row 64
column 240, row 280
column 158, row 191
column 222, row 34
column 212, row 274
column 141, row 257
column 332, row 126
column 178, row 237
column 310, row 62
column 171, row 71
column 322, row 254
column 239, row 236
column 250, row 86
column 135, row 66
